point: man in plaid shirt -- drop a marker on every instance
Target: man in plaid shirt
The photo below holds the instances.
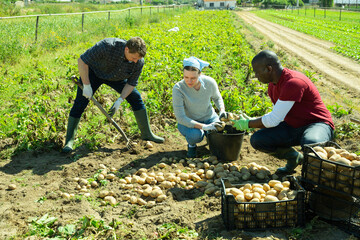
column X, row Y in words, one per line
column 118, row 64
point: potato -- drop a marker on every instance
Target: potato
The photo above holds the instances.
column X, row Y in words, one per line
column 141, row 202
column 286, row 184
column 126, row 197
column 273, row 182
column 278, row 187
column 320, row 149
column 270, row 198
column 235, row 191
column 322, row 155
column 210, row 190
column 256, row 195
column 133, row 199
column 110, row 199
column 328, row 149
column 103, row 193
column 246, row 176
column 259, row 190
column 221, row 127
column 339, row 150
column 260, row 175
column 209, row 174
column 155, row 193
column 161, row 198
column 240, row 198
column 248, row 196
column 272, row 192
column 266, row 187
column 110, row 176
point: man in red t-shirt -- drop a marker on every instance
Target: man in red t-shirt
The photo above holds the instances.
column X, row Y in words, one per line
column 299, row 116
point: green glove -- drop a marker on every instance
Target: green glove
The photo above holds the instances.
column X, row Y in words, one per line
column 242, row 124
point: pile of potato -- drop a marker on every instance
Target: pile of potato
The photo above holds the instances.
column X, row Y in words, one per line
column 149, row 186
column 341, row 171
column 269, row 209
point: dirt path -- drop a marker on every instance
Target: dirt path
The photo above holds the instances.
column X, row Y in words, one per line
column 312, row 51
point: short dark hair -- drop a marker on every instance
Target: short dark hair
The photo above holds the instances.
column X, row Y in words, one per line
column 136, row 45
column 191, row 68
column 267, row 58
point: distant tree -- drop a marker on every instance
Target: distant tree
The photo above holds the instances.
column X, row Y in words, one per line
column 327, row 3
column 293, row 2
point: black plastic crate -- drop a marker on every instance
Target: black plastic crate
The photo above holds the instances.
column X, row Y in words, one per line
column 339, row 209
column 329, row 174
column 262, row 215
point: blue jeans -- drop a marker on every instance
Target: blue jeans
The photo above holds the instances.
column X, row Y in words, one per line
column 81, row 102
column 194, row 135
column 283, row 135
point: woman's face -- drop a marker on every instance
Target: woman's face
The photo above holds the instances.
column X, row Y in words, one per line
column 191, row 78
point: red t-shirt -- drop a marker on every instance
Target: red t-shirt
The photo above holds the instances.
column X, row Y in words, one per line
column 308, row 107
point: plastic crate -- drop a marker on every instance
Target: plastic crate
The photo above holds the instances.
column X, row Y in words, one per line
column 262, row 215
column 339, row 209
column 329, row 174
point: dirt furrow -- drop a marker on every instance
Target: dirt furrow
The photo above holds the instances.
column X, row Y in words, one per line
column 313, row 51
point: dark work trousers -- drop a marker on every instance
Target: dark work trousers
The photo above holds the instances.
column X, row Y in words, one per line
column 283, row 135
column 134, row 98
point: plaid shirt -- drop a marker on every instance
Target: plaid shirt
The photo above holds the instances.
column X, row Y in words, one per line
column 107, row 59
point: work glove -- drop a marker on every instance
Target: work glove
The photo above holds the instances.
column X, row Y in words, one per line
column 246, row 116
column 223, row 115
column 211, row 126
column 242, row 124
column 87, row 91
column 115, row 106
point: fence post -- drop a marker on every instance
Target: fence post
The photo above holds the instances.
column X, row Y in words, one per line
column 150, row 10
column 141, row 10
column 36, row 28
column 298, row 10
column 324, row 12
column 82, row 23
column 314, row 11
column 108, row 15
column 340, row 15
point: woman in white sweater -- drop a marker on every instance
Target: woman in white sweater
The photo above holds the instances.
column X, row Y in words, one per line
column 192, row 103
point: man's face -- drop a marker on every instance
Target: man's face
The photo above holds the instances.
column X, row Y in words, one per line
column 132, row 57
column 262, row 72
column 191, row 78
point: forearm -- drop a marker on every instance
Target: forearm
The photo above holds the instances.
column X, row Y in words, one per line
column 126, row 91
column 83, row 71
column 256, row 123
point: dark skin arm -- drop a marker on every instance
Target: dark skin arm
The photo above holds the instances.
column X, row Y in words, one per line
column 256, row 123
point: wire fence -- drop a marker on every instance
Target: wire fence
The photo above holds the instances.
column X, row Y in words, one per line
column 335, row 13
column 108, row 14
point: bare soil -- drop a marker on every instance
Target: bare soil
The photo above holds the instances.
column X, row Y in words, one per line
column 43, row 176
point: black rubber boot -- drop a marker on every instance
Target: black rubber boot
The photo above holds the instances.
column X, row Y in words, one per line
column 72, row 127
column 191, row 153
column 293, row 157
column 144, row 126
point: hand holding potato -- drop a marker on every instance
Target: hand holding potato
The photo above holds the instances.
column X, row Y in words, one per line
column 212, row 126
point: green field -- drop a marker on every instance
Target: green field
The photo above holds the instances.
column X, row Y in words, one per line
column 345, row 34
column 38, row 94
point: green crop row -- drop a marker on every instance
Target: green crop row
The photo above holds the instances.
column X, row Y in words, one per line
column 37, row 93
column 345, row 34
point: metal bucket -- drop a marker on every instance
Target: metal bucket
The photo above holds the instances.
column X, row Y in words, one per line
column 226, row 145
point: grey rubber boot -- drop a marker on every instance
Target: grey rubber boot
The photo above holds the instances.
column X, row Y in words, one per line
column 293, row 157
column 72, row 127
column 144, row 126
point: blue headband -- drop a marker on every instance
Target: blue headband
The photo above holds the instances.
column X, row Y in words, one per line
column 195, row 62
